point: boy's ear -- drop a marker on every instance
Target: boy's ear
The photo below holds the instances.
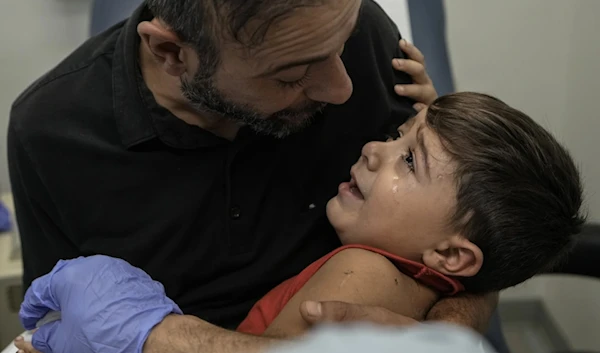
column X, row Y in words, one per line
column 456, row 256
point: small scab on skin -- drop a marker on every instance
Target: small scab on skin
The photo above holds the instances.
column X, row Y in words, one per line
column 396, row 280
column 347, row 273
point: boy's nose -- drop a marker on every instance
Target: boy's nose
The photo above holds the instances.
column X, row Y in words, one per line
column 371, row 152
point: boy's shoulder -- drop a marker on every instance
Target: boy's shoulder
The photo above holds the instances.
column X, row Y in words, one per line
column 360, row 270
column 360, row 260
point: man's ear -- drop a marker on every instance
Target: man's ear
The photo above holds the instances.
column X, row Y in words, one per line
column 455, row 257
column 164, row 45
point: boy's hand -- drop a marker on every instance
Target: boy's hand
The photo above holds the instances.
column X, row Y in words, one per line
column 340, row 312
column 421, row 90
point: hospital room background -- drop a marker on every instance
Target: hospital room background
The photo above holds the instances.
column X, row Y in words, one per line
column 541, row 56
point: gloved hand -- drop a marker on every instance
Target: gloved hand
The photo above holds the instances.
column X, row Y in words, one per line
column 106, row 305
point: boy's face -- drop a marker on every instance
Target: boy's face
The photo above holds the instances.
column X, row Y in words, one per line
column 401, row 195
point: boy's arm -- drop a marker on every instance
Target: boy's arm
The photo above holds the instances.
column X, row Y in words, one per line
column 360, row 277
column 469, row 310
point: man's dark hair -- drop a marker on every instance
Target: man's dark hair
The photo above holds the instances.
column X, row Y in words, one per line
column 519, row 192
column 204, row 23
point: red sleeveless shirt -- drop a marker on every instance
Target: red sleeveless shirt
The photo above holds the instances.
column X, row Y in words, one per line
column 268, row 307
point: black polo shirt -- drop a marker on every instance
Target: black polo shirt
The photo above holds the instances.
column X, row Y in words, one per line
column 98, row 167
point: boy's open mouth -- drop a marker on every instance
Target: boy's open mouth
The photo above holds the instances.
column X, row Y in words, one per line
column 354, row 189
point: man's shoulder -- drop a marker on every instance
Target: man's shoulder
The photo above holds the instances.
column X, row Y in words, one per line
column 59, row 92
column 375, row 27
column 374, row 108
column 374, row 15
column 67, row 98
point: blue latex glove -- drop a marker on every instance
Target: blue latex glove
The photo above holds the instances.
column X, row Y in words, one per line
column 106, row 305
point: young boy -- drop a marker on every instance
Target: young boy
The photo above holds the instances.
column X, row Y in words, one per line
column 472, row 195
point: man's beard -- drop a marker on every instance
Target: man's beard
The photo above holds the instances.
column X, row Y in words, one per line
column 205, row 97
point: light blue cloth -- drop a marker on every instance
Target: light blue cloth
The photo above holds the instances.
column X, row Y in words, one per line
column 431, row 338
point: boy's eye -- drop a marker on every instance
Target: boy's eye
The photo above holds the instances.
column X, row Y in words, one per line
column 396, row 134
column 409, row 160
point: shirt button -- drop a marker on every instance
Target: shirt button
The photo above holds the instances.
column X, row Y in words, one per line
column 235, row 212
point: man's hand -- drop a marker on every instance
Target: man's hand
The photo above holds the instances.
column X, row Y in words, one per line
column 422, row 89
column 326, row 312
column 474, row 311
column 106, row 305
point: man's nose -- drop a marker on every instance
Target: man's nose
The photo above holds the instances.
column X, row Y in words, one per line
column 332, row 84
column 372, row 153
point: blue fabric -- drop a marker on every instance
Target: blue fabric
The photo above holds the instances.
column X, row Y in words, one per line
column 428, row 24
column 106, row 13
column 5, row 221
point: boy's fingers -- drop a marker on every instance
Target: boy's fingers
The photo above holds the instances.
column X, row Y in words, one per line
column 413, row 52
column 412, row 91
column 419, row 106
column 413, row 68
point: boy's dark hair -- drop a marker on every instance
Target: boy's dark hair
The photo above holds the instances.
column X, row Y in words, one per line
column 203, row 23
column 519, row 192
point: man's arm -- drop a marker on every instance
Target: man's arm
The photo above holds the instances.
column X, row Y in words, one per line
column 136, row 315
column 469, row 310
column 42, row 240
column 359, row 277
column 188, row 334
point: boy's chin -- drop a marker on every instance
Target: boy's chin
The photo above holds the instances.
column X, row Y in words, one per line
column 330, row 208
column 338, row 218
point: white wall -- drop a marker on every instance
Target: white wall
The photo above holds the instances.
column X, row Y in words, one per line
column 398, row 11
column 34, row 36
column 542, row 56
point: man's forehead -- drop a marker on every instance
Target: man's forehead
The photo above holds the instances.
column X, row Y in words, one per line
column 309, row 35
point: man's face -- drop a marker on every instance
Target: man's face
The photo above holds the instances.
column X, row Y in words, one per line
column 401, row 195
column 277, row 87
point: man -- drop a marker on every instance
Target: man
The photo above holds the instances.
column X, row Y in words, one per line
column 200, row 143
